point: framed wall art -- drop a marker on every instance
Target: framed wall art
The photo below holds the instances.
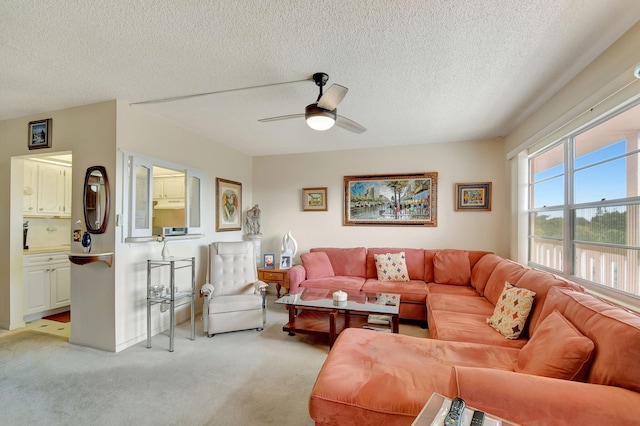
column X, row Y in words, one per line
column 473, row 196
column 40, row 134
column 401, row 199
column 285, row 261
column 269, row 261
column 314, row 199
column 228, row 205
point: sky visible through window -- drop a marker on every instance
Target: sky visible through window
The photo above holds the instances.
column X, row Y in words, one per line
column 592, row 183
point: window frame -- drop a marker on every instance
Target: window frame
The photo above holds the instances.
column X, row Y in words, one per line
column 130, row 233
column 570, row 207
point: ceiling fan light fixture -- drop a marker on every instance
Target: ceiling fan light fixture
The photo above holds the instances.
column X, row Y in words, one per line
column 319, row 118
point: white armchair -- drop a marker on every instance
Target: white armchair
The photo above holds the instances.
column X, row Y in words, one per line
column 234, row 299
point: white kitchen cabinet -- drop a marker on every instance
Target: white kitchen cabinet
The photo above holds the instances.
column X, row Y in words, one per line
column 168, row 187
column 47, row 189
column 47, row 282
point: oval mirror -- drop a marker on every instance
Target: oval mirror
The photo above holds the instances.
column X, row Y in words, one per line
column 96, row 199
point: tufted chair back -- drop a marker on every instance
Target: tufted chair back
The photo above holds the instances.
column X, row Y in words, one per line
column 233, row 268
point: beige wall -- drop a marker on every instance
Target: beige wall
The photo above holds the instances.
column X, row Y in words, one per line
column 108, row 304
column 278, row 181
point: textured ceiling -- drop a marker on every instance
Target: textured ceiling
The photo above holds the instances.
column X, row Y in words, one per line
column 418, row 71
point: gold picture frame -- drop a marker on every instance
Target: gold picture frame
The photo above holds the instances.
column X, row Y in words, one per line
column 314, row 199
column 400, row 199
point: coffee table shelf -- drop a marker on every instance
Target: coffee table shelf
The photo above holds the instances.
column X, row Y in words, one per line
column 317, row 316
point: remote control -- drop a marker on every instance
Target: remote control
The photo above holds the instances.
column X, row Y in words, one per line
column 454, row 416
column 478, row 418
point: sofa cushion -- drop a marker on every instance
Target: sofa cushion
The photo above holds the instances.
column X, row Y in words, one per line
column 346, row 261
column 391, row 267
column 540, row 282
column 557, row 349
column 451, row 267
column 413, row 257
column 411, row 291
column 317, row 265
column 457, row 303
column 506, row 270
column 347, row 284
column 482, row 270
column 435, row 288
column 464, row 327
column 614, row 331
column 512, row 311
column 385, row 379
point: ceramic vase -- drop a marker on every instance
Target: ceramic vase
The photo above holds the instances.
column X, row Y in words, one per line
column 86, row 242
column 165, row 250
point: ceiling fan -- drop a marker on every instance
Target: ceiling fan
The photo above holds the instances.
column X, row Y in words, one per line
column 323, row 114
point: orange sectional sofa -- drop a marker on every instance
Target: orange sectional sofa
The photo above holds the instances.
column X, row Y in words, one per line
column 575, row 362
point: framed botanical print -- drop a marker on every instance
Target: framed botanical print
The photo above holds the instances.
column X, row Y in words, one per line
column 473, row 196
column 228, row 205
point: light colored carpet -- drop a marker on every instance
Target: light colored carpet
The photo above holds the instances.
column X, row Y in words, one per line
column 240, row 378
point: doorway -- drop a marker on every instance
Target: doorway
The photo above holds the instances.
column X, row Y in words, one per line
column 41, row 195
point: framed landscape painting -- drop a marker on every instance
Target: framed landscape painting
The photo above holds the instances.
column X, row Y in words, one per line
column 400, row 199
column 40, row 134
column 473, row 196
column 228, row 205
column 314, row 199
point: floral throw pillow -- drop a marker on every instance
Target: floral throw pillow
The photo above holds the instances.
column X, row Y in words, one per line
column 512, row 310
column 391, row 267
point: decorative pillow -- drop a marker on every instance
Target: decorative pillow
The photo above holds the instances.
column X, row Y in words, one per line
column 391, row 267
column 317, row 265
column 452, row 267
column 557, row 349
column 512, row 310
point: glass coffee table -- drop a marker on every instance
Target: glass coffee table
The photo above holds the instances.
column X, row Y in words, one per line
column 313, row 311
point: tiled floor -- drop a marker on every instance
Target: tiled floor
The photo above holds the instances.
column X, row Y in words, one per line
column 62, row 329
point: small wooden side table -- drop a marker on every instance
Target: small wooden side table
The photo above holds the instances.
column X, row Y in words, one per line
column 277, row 276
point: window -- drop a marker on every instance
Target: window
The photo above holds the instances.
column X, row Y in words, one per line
column 584, row 204
column 161, row 195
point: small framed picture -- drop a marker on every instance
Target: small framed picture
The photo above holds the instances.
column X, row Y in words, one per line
column 40, row 134
column 229, row 205
column 269, row 261
column 314, row 199
column 473, row 196
column 285, row 261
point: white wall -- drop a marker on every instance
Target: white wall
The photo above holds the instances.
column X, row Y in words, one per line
column 278, row 181
column 146, row 134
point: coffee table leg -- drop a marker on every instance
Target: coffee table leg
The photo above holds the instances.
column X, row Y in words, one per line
column 395, row 324
column 292, row 316
column 333, row 315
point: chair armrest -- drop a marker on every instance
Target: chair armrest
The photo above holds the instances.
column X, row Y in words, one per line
column 536, row 400
column 207, row 290
column 297, row 274
column 260, row 286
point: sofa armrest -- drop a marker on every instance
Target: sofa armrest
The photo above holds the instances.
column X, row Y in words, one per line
column 536, row 400
column 297, row 274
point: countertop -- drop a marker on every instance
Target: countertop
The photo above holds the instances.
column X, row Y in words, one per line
column 47, row 249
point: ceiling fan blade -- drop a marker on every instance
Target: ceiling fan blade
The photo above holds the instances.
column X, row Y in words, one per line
column 332, row 97
column 281, row 117
column 349, row 125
